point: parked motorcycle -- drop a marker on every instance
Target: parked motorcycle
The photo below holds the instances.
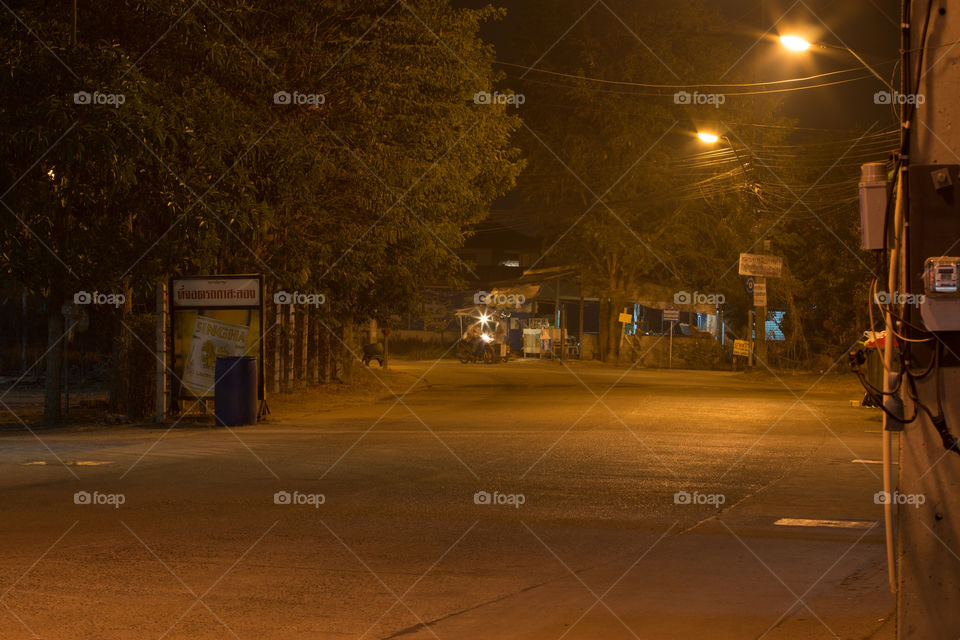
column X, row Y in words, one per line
column 467, row 351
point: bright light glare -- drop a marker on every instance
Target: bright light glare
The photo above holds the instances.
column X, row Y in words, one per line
column 794, row 43
column 709, row 138
column 484, row 318
column 486, row 337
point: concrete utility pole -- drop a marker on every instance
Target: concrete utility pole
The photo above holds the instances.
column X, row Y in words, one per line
column 160, row 413
column 929, row 535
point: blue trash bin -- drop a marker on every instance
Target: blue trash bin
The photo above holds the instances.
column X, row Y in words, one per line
column 235, row 391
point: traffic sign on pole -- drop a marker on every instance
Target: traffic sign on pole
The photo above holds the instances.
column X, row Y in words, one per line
column 760, row 294
column 758, row 264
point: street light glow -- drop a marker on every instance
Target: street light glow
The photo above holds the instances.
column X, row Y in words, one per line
column 709, row 138
column 794, row 43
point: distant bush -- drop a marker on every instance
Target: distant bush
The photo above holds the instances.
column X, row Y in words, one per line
column 702, row 353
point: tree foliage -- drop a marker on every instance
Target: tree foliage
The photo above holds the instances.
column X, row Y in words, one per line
column 362, row 192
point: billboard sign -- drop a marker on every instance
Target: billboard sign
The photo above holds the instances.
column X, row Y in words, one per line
column 212, row 317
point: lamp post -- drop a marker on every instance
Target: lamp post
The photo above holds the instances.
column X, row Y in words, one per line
column 712, row 138
column 799, row 45
column 760, row 318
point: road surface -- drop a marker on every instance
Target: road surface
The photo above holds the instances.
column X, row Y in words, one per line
column 522, row 500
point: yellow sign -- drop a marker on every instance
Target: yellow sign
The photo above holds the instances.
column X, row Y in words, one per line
column 626, row 317
column 200, row 337
column 741, row 347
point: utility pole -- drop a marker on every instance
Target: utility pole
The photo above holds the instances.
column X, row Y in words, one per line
column 762, row 314
column 762, row 323
column 928, row 545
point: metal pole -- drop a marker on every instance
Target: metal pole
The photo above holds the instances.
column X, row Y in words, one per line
column 827, row 45
column 563, row 333
column 762, row 324
column 558, row 303
column 580, row 332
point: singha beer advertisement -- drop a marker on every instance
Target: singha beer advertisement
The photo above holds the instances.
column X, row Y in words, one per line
column 213, row 317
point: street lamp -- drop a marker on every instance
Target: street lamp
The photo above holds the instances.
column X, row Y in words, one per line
column 707, row 137
column 712, row 138
column 794, row 43
column 761, row 332
column 797, row 44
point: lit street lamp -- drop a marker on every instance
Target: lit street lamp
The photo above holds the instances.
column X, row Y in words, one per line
column 794, row 43
column 712, row 138
column 707, row 137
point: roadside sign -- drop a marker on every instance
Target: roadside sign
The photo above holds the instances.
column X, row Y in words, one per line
column 748, row 284
column 626, row 317
column 757, row 264
column 741, row 347
column 671, row 315
column 211, row 317
column 760, row 294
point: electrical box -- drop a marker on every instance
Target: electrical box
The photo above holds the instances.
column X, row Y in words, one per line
column 874, row 188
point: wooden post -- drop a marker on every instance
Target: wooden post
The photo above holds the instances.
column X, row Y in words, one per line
column 670, row 351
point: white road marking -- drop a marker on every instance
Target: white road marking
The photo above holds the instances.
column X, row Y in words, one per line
column 837, row 524
column 70, row 463
column 870, row 461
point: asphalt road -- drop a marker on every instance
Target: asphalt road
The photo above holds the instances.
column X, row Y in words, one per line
column 521, row 500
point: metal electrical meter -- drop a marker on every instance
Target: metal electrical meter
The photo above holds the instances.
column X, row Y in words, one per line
column 940, row 307
column 940, row 276
column 934, row 268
